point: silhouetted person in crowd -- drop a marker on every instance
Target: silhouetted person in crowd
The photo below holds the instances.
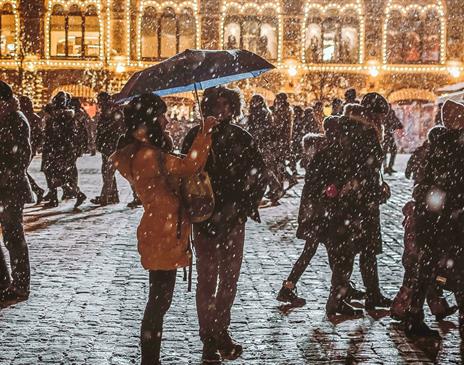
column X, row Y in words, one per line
column 391, row 124
column 110, row 127
column 317, row 208
column 15, row 191
column 283, row 120
column 237, row 173
column 439, row 220
column 35, row 124
column 261, row 127
column 298, row 133
column 147, row 162
column 337, row 106
column 318, row 112
column 351, row 96
column 61, row 149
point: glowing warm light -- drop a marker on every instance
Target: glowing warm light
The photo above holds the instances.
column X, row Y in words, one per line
column 374, row 71
column 120, row 68
column 455, row 72
column 292, row 71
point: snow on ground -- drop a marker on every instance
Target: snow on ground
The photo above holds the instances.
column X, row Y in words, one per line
column 89, row 291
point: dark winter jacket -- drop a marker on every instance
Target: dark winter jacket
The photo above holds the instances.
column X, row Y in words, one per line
column 110, row 127
column 319, row 206
column 82, row 121
column 362, row 144
column 260, row 126
column 283, row 128
column 364, row 154
column 60, row 150
column 15, row 155
column 237, row 173
column 439, row 199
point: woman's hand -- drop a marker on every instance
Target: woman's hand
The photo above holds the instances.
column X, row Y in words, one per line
column 209, row 123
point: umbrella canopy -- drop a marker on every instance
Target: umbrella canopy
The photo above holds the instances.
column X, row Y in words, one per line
column 194, row 70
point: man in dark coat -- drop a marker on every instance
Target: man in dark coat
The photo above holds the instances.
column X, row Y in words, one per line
column 110, row 127
column 362, row 131
column 439, row 197
column 35, row 124
column 15, row 191
column 237, row 171
column 60, row 150
column 391, row 124
column 318, row 215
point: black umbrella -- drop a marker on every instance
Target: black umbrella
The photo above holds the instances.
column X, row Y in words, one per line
column 194, row 70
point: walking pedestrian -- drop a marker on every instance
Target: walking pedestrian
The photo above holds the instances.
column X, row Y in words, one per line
column 15, row 191
column 110, row 127
column 439, row 219
column 317, row 211
column 391, row 124
column 60, row 150
column 148, row 164
column 237, row 173
column 35, row 124
column 283, row 118
column 362, row 131
column 261, row 127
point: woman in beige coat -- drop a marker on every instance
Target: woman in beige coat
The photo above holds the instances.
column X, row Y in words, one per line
column 163, row 234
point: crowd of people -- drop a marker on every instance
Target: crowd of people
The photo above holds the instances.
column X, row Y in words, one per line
column 344, row 159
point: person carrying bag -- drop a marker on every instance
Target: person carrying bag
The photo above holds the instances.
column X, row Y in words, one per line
column 165, row 228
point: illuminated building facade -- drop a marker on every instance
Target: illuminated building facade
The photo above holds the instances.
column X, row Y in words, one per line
column 404, row 48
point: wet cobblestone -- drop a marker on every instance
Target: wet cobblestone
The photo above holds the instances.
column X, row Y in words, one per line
column 89, row 291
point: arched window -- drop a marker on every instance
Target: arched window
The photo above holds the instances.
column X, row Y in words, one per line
column 413, row 36
column 169, row 30
column 187, row 30
column 255, row 33
column 91, row 33
column 118, row 28
column 73, row 33
column 165, row 34
column 149, row 31
column 331, row 37
column 7, row 32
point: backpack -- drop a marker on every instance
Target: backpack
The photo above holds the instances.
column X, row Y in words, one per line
column 195, row 193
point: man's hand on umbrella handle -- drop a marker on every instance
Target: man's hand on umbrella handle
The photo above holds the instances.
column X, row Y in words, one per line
column 209, row 123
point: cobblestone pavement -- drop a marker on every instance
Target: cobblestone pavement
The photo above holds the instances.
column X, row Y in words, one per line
column 89, row 291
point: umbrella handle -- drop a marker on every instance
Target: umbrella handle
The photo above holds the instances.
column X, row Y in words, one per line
column 202, row 119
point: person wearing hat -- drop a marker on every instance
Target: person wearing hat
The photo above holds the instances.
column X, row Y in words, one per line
column 146, row 160
column 439, row 198
column 15, row 191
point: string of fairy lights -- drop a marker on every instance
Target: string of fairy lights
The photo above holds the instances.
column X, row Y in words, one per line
column 128, row 61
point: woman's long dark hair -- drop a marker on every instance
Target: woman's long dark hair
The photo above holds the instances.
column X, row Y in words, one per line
column 143, row 111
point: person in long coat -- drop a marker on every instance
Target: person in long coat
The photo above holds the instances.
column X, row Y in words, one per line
column 362, row 133
column 283, row 121
column 163, row 233
column 110, row 127
column 35, row 124
column 261, row 127
column 60, row 150
column 439, row 198
column 237, row 173
column 15, row 191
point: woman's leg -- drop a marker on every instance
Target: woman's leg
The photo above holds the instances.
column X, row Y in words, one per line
column 159, row 300
column 303, row 261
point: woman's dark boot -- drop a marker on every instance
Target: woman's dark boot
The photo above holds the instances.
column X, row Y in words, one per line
column 336, row 304
column 52, row 199
column 288, row 294
column 228, row 349
column 210, row 354
column 377, row 300
column 416, row 327
column 81, row 197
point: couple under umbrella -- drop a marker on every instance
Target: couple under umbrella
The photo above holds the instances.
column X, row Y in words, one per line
column 236, row 177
